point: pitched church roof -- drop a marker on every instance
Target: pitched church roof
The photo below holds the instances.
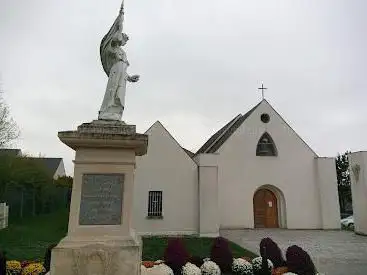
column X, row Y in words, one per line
column 51, row 164
column 217, row 140
column 221, row 136
column 191, row 154
column 187, row 152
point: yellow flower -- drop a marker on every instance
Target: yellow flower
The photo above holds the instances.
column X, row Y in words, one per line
column 13, row 266
column 33, row 269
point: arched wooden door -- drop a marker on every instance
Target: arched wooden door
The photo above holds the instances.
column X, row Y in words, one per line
column 265, row 209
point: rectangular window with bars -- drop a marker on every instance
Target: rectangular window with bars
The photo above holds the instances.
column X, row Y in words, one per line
column 155, row 209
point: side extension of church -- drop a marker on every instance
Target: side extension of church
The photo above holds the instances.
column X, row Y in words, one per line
column 255, row 172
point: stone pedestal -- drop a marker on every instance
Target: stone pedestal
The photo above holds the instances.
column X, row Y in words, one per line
column 100, row 238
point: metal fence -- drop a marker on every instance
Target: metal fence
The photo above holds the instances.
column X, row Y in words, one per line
column 26, row 202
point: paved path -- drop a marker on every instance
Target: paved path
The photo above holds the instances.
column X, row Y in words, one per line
column 333, row 252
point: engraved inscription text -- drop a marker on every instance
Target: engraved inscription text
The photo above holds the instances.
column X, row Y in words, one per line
column 101, row 199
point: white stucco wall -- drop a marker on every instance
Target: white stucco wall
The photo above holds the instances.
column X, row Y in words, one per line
column 166, row 167
column 359, row 191
column 208, row 195
column 241, row 173
column 60, row 171
column 328, row 187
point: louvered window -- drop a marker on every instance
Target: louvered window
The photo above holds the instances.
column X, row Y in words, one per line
column 266, row 146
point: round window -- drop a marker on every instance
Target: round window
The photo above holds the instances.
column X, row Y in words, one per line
column 265, row 118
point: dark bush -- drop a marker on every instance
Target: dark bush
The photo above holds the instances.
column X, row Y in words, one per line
column 265, row 270
column 2, row 263
column 176, row 255
column 299, row 261
column 273, row 252
column 198, row 261
column 260, row 265
column 47, row 258
column 221, row 254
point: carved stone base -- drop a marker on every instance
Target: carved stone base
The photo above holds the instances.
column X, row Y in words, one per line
column 97, row 257
column 105, row 134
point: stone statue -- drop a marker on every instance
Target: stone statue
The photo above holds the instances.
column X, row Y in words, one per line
column 114, row 62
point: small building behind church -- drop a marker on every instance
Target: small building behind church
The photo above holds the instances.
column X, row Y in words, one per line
column 254, row 172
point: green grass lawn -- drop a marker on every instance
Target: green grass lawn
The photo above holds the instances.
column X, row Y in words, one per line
column 28, row 239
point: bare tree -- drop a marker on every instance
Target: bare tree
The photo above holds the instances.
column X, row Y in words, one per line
column 9, row 130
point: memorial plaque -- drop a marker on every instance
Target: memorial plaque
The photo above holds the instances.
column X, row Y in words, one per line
column 101, row 199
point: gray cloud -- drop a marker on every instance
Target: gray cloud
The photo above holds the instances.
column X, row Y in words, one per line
column 200, row 64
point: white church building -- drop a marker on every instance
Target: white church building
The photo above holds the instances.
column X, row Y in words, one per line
column 254, row 172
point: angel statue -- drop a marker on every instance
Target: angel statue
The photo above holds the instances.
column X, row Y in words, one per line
column 114, row 62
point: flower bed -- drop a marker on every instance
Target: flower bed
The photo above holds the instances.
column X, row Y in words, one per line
column 177, row 261
column 240, row 266
column 221, row 261
column 24, row 268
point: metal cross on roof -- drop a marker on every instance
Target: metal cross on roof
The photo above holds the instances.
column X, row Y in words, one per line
column 262, row 88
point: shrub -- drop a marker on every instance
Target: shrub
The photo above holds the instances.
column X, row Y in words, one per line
column 257, row 266
column 280, row 270
column 273, row 252
column 221, row 254
column 210, row 268
column 161, row 269
column 198, row 261
column 190, row 269
column 2, row 263
column 176, row 255
column 25, row 263
column 34, row 269
column 148, row 264
column 241, row 267
column 158, row 262
column 247, row 259
column 47, row 258
column 299, row 261
column 13, row 267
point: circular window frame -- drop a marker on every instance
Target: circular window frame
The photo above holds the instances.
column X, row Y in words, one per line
column 265, row 118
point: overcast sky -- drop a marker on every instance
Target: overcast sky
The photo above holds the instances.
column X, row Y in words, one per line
column 200, row 62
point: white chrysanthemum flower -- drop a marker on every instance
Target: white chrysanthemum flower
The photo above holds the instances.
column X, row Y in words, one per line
column 257, row 263
column 159, row 262
column 143, row 270
column 190, row 269
column 210, row 268
column 289, row 273
column 242, row 267
column 162, row 269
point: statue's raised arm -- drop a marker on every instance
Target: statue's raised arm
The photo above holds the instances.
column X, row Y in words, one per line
column 115, row 63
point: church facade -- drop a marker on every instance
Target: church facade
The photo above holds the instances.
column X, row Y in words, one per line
column 255, row 172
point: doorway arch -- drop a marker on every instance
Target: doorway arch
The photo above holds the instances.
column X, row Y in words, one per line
column 269, row 208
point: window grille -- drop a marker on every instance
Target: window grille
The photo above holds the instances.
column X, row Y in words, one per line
column 155, row 204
